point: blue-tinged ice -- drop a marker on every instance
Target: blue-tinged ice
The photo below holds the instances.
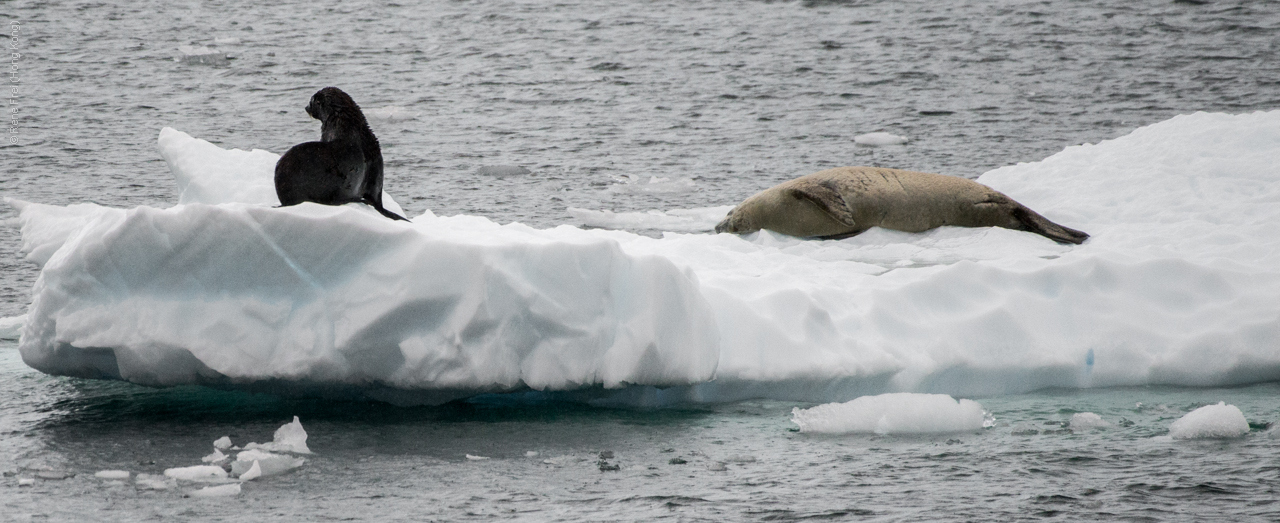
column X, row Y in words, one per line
column 1176, row 286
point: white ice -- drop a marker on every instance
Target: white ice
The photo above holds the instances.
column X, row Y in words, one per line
column 216, row 457
column 11, row 328
column 154, row 482
column 895, row 413
column 1085, row 421
column 879, row 138
column 290, row 437
column 232, row 489
column 204, row 473
column 1176, row 286
column 268, row 464
column 224, row 442
column 703, row 219
column 112, row 474
column 1211, row 421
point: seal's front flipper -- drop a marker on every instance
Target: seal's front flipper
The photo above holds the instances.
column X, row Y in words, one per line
column 828, row 198
column 1042, row 226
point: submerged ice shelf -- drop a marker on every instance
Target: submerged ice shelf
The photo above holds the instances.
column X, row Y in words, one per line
column 1176, row 286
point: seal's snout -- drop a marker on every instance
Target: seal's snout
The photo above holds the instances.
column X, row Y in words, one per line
column 310, row 109
column 725, row 225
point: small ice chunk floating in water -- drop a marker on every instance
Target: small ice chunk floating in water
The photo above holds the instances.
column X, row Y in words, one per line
column 1209, row 422
column 1084, row 421
column 224, row 290
column 879, row 138
column 895, row 413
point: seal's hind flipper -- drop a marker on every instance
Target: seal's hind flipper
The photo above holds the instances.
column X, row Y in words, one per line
column 383, row 210
column 1042, row 226
column 828, row 198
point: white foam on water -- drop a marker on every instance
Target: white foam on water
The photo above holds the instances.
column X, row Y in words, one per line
column 1176, row 286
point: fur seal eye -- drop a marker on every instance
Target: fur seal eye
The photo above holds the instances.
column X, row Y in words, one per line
column 345, row 166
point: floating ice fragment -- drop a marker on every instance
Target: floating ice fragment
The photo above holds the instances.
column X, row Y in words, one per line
column 222, row 443
column 895, row 413
column 476, row 458
column 201, row 55
column 226, row 40
column 288, row 438
column 26, row 482
column 154, row 482
column 391, row 113
column 268, row 464
column 216, row 457
column 53, row 474
column 253, row 473
column 879, row 138
column 633, row 184
column 1211, row 421
column 112, row 474
column 501, row 171
column 232, row 489
column 531, row 454
column 203, row 473
column 11, row 327
column 1082, row 421
column 717, row 466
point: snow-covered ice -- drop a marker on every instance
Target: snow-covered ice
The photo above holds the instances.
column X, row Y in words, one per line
column 894, row 413
column 224, row 442
column 1211, row 421
column 703, row 219
column 204, row 473
column 1176, row 286
column 112, row 474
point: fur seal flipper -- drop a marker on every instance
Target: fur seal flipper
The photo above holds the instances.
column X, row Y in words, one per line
column 345, row 166
column 842, row 202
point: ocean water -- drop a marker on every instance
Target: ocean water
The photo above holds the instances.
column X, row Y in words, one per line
column 625, row 107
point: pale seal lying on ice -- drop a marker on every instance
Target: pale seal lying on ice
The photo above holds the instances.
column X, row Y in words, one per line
column 842, row 202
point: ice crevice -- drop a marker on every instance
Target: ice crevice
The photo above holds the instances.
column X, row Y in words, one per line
column 1176, row 286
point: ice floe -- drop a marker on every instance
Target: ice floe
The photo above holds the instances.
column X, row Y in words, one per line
column 894, row 413
column 1176, row 286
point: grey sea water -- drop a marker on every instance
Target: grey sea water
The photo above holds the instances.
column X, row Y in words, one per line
column 594, row 99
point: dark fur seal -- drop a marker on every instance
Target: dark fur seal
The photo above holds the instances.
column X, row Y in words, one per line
column 842, row 202
column 344, row 166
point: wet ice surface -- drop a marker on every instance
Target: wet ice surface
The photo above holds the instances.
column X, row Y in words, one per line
column 742, row 461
